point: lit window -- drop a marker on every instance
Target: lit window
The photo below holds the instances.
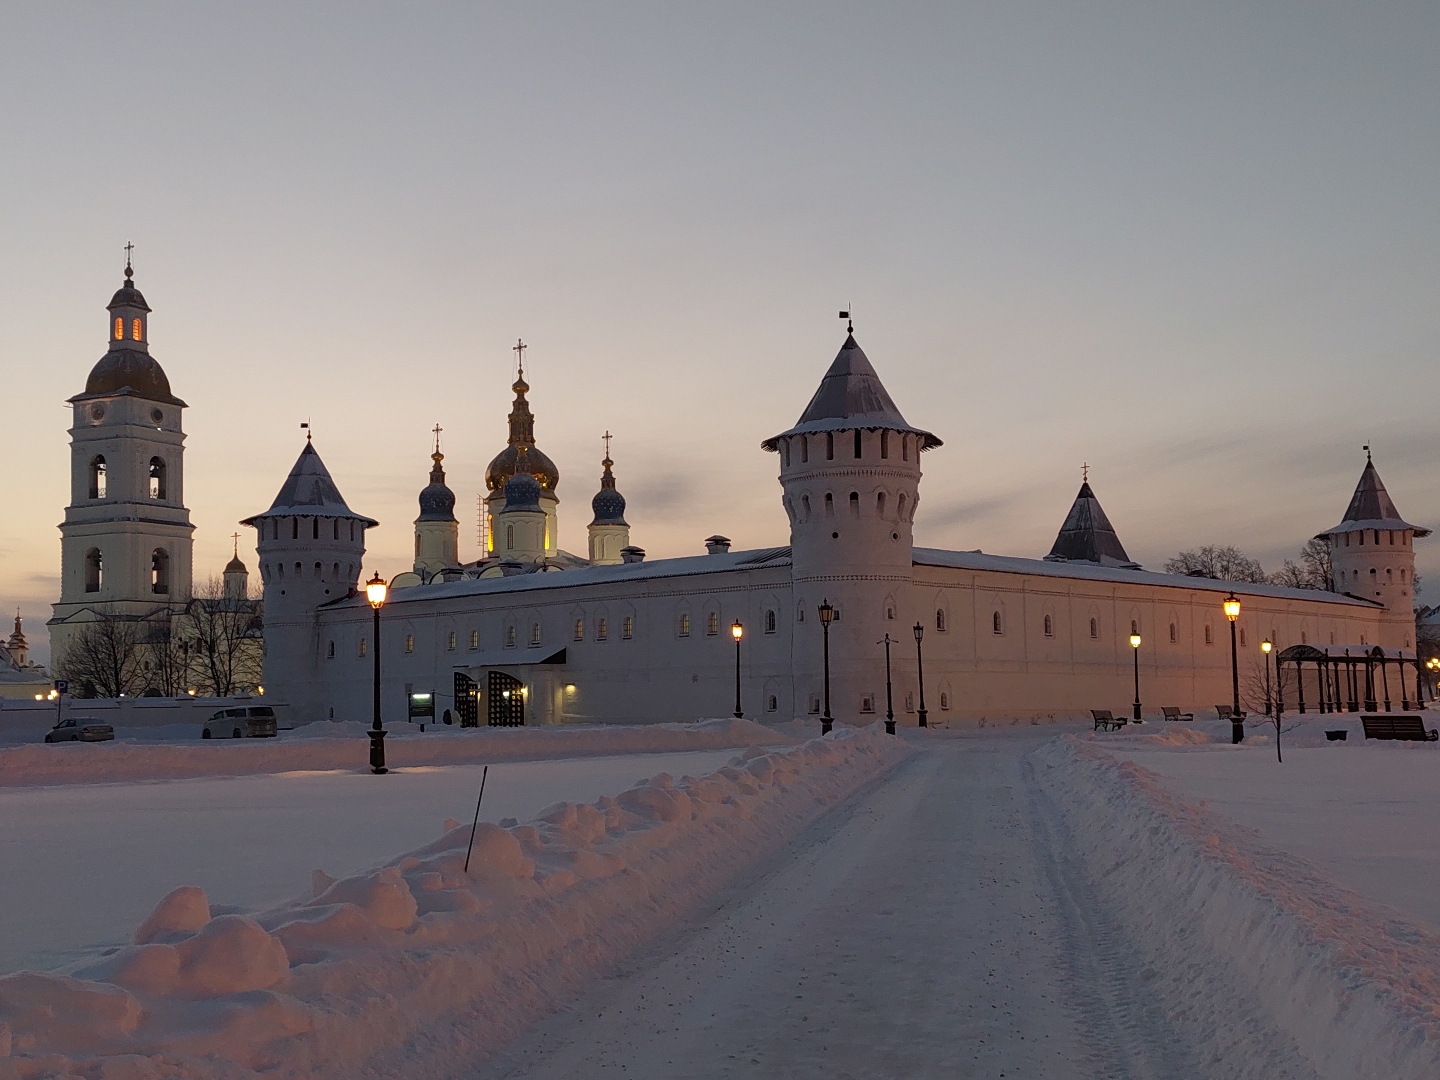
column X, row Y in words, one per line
column 510, row 637
column 579, row 629
column 474, row 639
column 627, row 627
column 450, row 641
column 602, row 630
column 534, row 634
column 684, row 625
column 712, row 624
column 135, row 329
column 119, row 329
column 409, row 643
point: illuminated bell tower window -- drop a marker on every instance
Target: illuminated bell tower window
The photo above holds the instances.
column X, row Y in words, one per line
column 136, row 330
column 119, row 329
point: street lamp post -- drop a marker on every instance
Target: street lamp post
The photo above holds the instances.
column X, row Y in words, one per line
column 737, row 631
column 1433, row 665
column 375, row 590
column 1237, row 722
column 920, row 672
column 827, row 614
column 1265, row 647
column 1135, row 648
column 889, row 697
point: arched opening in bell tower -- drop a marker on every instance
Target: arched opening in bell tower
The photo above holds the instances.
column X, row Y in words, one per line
column 94, row 569
column 160, row 571
column 157, row 478
column 97, row 477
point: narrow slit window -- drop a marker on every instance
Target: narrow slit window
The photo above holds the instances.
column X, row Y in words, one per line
column 98, row 478
column 996, row 624
column 829, row 446
column 1094, row 629
column 1049, row 626
column 884, row 445
column 859, row 446
column 854, row 504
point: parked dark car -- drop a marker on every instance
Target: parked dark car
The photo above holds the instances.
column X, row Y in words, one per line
column 252, row 722
column 80, row 729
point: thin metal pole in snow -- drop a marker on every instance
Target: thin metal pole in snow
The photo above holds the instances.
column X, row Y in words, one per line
column 476, row 823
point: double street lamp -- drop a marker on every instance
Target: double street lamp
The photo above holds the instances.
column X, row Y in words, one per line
column 737, row 632
column 375, row 590
column 1135, row 648
column 920, row 672
column 1237, row 722
column 827, row 615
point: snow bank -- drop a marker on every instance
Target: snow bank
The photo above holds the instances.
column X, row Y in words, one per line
column 1225, row 918
column 345, row 746
column 417, row 968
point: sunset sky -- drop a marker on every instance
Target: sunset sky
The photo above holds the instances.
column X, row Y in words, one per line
column 1196, row 246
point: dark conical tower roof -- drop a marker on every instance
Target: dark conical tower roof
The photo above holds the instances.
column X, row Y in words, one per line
column 309, row 492
column 851, row 396
column 1371, row 506
column 1088, row 536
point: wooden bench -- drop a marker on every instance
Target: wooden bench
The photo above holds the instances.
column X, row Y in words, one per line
column 1172, row 712
column 1401, row 726
column 1105, row 720
column 1227, row 712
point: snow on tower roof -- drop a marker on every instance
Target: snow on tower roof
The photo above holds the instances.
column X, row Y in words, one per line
column 1088, row 536
column 1371, row 506
column 309, row 491
column 852, row 396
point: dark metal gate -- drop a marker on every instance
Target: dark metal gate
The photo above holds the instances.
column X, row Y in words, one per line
column 467, row 704
column 507, row 700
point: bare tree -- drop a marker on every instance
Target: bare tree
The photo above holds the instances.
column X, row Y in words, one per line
column 166, row 654
column 1226, row 563
column 1313, row 571
column 104, row 657
column 224, row 635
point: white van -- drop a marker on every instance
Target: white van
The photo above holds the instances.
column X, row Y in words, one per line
column 252, row 722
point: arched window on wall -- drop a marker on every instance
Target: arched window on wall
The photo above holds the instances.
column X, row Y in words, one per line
column 770, row 621
column 684, row 625
column 1094, row 629
column 1049, row 626
column 712, row 624
column 900, row 504
column 997, row 625
column 157, row 478
column 627, row 627
column 1174, row 633
column 854, row 504
column 160, row 571
column 880, row 505
column 136, row 329
column 97, row 477
column 829, row 505
column 94, row 570
column 1209, row 636
column 939, row 618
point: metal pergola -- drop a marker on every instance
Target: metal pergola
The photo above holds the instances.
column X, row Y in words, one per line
column 1349, row 678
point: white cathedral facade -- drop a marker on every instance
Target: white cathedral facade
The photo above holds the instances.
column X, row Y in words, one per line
column 530, row 633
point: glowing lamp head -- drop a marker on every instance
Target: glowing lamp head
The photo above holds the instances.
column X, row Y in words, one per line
column 736, row 630
column 1232, row 607
column 1134, row 641
column 827, row 612
column 375, row 590
column 1266, row 646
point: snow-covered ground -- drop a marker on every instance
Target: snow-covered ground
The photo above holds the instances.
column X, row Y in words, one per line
column 1366, row 813
column 85, row 863
column 952, row 903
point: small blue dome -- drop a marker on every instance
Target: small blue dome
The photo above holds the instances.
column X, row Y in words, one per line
column 609, row 507
column 522, row 492
column 437, row 502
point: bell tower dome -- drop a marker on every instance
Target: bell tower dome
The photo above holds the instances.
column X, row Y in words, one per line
column 437, row 533
column 507, row 463
column 609, row 531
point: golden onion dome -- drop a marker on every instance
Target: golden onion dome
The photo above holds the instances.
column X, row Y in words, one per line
column 522, row 433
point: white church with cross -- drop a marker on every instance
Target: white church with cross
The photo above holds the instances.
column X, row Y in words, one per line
column 530, row 633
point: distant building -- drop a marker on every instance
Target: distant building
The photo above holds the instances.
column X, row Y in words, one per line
column 19, row 678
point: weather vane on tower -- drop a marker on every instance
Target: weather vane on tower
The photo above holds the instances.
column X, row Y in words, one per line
column 849, row 322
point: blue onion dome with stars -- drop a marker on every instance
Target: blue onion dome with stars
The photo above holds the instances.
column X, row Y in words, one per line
column 608, row 504
column 522, row 490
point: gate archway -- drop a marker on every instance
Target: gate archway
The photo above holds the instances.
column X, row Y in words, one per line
column 506, row 700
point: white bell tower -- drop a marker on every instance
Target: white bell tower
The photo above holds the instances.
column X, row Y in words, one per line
column 125, row 543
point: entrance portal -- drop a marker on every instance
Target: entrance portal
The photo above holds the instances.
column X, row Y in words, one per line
column 507, row 700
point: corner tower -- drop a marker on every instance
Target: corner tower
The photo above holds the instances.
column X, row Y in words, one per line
column 1372, row 555
column 125, row 543
column 310, row 545
column 850, row 471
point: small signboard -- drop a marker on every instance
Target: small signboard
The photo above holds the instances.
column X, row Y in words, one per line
column 422, row 706
column 62, row 686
